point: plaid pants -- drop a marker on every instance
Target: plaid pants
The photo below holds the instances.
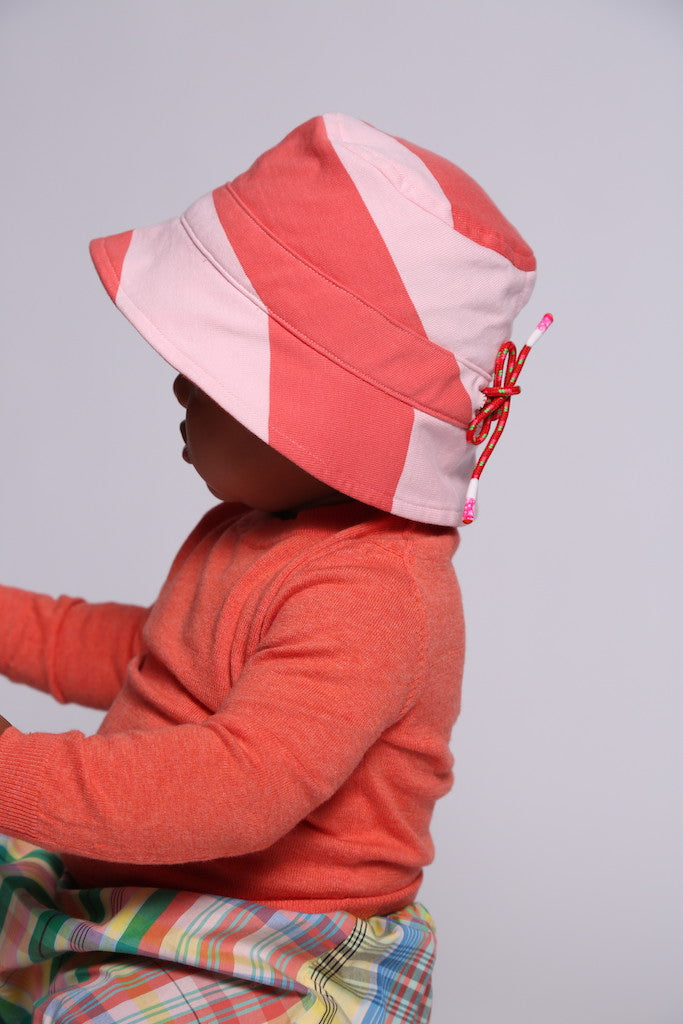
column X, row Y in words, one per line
column 152, row 956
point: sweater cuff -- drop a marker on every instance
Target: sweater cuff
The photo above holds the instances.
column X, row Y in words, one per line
column 30, row 622
column 22, row 780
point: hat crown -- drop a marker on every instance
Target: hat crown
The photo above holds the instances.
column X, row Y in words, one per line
column 429, row 181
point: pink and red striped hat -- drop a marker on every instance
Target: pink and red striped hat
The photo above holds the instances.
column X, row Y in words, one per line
column 345, row 299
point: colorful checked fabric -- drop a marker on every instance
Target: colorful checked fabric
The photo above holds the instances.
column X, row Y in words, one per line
column 151, row 956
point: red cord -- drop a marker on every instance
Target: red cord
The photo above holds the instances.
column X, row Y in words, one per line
column 497, row 406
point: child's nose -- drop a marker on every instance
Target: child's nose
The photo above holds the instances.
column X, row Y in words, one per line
column 182, row 389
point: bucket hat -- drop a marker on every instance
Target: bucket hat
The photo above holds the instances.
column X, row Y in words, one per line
column 344, row 299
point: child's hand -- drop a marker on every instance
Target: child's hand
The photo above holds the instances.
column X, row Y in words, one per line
column 4, row 724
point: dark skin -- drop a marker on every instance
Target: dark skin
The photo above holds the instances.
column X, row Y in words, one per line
column 238, row 466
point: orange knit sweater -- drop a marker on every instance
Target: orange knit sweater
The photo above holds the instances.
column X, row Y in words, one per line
column 278, row 722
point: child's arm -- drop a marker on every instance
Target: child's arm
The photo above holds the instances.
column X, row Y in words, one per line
column 76, row 651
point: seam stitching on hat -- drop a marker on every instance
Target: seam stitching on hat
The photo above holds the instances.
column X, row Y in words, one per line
column 252, row 296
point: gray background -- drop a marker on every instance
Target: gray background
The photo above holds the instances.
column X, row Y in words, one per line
column 556, row 885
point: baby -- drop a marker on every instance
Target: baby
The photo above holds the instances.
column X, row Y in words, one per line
column 245, row 836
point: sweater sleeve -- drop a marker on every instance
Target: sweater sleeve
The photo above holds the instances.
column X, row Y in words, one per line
column 338, row 661
column 75, row 651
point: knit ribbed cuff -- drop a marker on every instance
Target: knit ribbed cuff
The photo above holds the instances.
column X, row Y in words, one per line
column 22, row 782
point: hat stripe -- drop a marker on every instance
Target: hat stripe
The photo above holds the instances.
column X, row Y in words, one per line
column 438, row 466
column 108, row 255
column 473, row 212
column 312, row 398
column 367, row 155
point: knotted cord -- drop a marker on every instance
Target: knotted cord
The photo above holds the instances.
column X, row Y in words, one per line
column 495, row 411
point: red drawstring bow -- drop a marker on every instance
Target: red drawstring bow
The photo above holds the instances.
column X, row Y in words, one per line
column 496, row 409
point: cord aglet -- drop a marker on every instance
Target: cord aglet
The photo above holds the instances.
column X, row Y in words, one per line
column 469, row 512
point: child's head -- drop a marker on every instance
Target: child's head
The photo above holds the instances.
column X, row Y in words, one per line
column 344, row 300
